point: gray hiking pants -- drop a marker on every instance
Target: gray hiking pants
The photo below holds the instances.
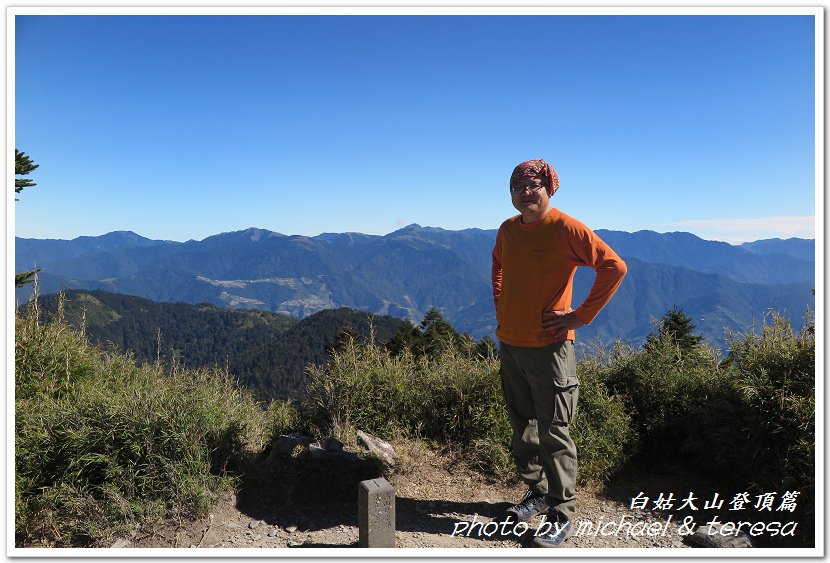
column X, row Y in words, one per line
column 541, row 391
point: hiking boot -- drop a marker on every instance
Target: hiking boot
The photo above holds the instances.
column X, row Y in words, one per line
column 532, row 504
column 560, row 529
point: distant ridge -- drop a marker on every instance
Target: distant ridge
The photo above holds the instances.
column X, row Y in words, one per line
column 804, row 249
column 404, row 273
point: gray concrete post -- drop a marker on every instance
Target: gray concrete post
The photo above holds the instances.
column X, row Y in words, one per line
column 376, row 513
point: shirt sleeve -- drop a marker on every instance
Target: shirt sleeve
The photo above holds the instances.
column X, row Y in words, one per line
column 584, row 248
column 496, row 274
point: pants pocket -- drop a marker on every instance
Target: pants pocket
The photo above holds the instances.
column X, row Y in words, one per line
column 565, row 384
column 564, row 401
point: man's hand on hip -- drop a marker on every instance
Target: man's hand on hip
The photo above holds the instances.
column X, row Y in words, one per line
column 558, row 323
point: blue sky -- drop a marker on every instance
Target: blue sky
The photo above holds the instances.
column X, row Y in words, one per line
column 181, row 127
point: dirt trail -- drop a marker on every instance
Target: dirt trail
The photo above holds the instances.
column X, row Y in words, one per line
column 434, row 497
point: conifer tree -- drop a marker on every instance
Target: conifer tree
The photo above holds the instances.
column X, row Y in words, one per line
column 677, row 326
column 344, row 336
column 435, row 335
column 486, row 348
column 438, row 333
column 408, row 337
column 23, row 165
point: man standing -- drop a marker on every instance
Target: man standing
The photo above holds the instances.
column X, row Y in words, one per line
column 534, row 261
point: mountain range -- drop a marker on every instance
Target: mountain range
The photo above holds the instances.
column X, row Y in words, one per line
column 720, row 286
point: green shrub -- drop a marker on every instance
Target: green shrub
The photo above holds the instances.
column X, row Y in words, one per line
column 748, row 421
column 662, row 386
column 450, row 398
column 766, row 436
column 766, row 432
column 463, row 404
column 359, row 387
column 283, row 418
column 298, row 471
column 602, row 430
column 102, row 444
column 777, row 388
column 453, row 399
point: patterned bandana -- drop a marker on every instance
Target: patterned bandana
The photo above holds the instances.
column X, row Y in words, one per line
column 536, row 169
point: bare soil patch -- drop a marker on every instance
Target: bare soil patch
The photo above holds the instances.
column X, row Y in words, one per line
column 434, row 493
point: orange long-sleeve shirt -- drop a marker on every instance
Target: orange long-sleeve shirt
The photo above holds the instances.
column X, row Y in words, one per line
column 533, row 272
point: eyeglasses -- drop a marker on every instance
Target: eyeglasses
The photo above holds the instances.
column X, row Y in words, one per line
column 520, row 189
